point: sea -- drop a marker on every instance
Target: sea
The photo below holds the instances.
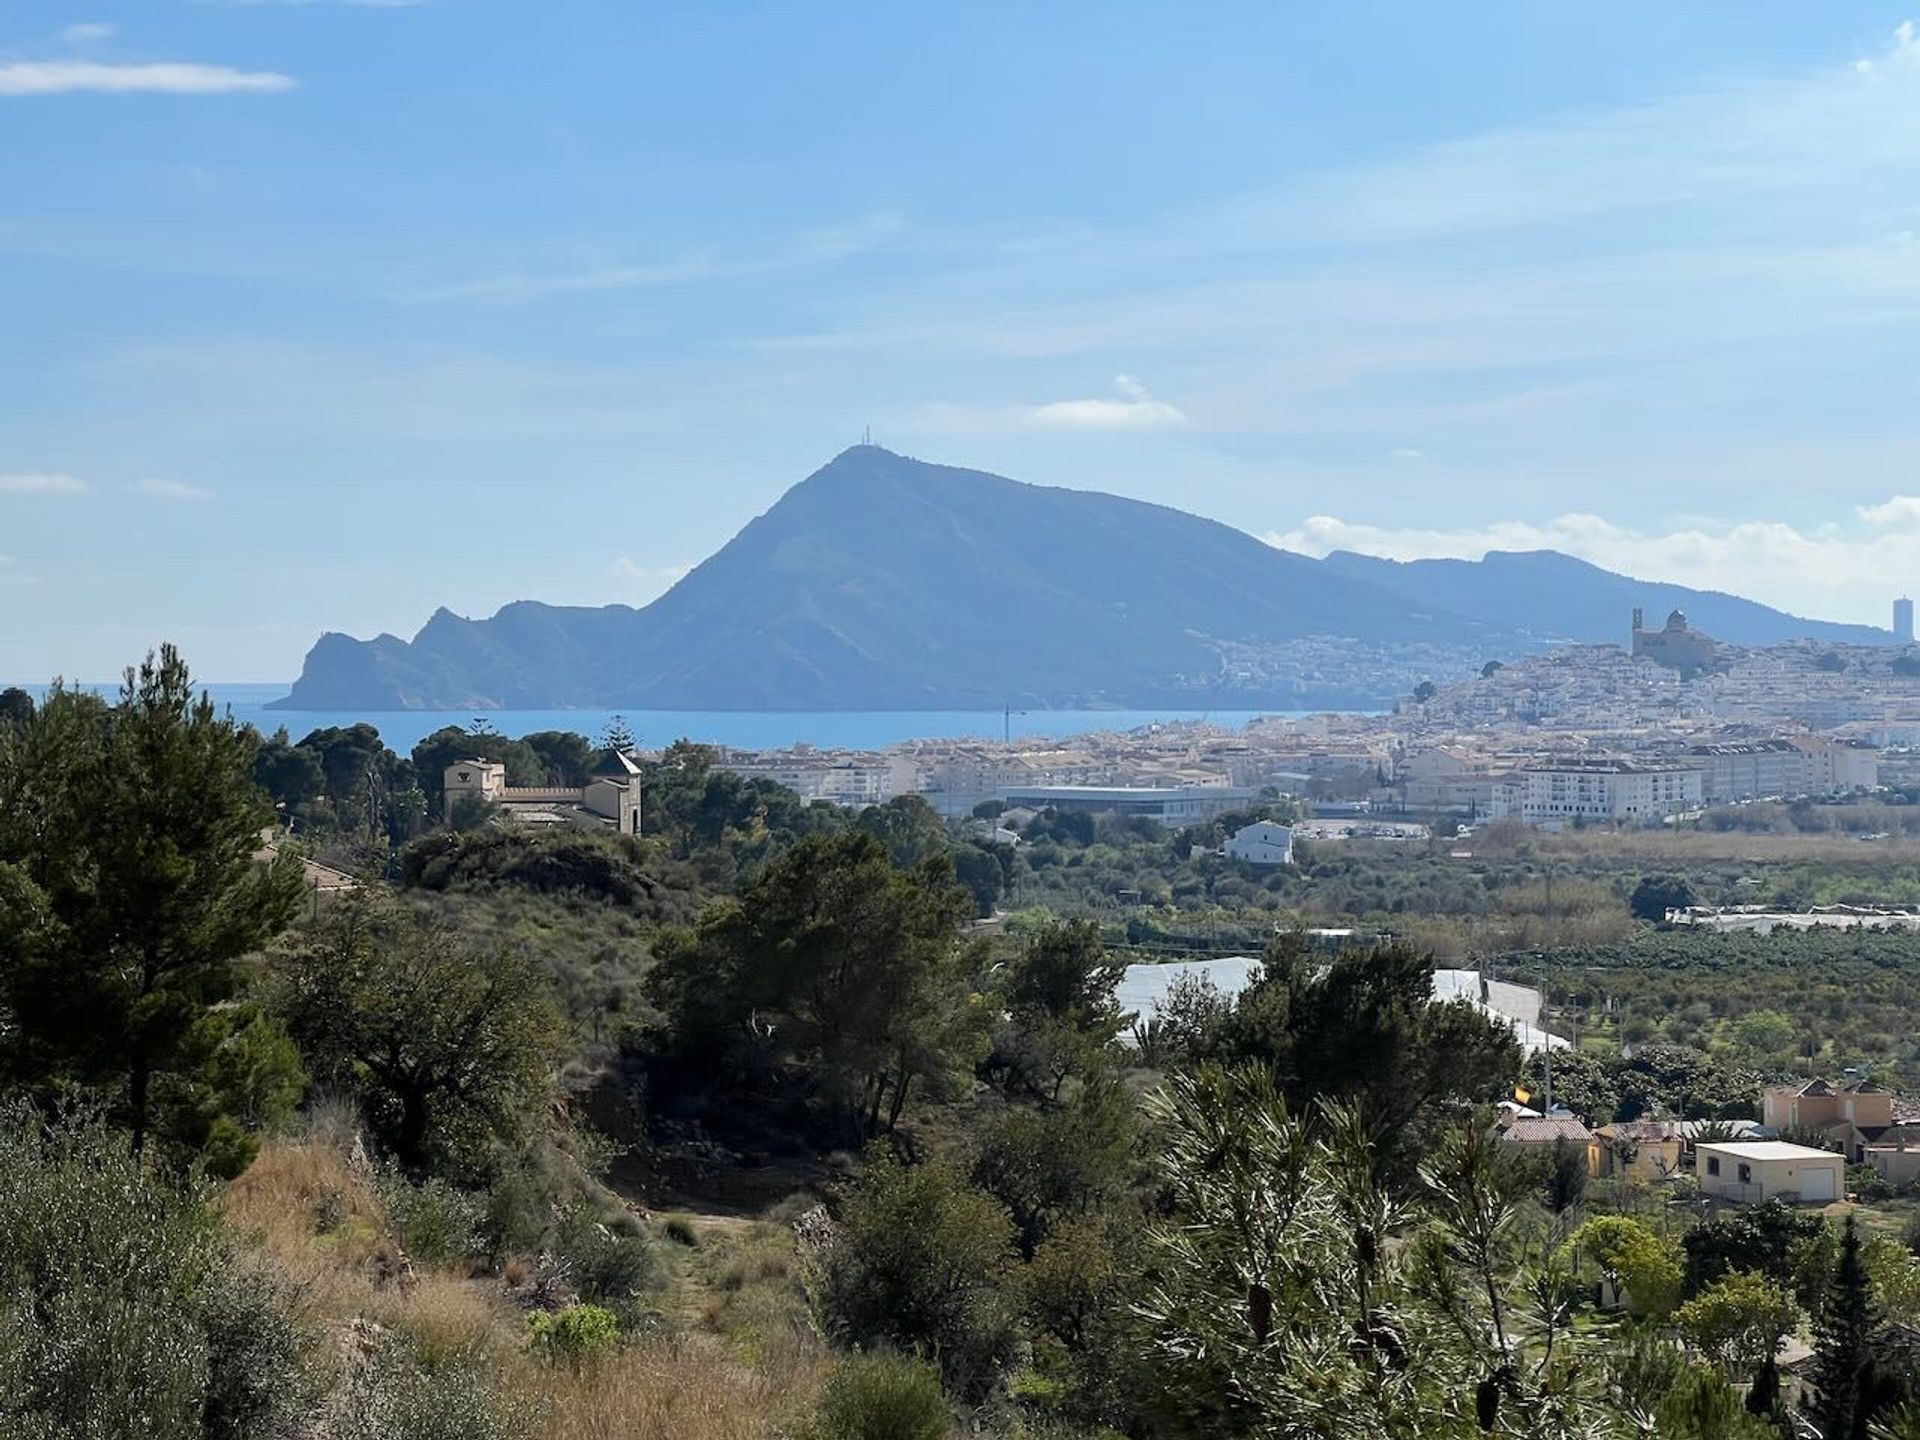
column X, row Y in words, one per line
column 736, row 729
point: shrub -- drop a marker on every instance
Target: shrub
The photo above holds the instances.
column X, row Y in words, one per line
column 679, row 1229
column 881, row 1397
column 921, row 1262
column 437, row 1224
column 392, row 1395
column 608, row 1269
column 124, row 1309
column 575, row 1334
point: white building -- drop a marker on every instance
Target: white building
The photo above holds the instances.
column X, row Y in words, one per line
column 1746, row 770
column 1560, row 793
column 1750, row 1171
column 1265, row 842
column 610, row 800
column 1169, row 804
column 1836, row 766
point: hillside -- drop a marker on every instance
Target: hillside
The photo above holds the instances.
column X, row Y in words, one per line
column 883, row 582
column 1553, row 597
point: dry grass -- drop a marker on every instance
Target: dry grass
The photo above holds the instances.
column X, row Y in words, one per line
column 317, row 1218
column 691, row 1388
column 748, row 1368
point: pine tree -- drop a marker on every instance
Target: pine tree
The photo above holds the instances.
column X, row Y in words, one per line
column 1843, row 1353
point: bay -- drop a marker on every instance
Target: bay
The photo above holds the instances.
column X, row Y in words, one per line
column 743, row 730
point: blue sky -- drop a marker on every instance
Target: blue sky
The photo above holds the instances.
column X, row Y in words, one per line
column 320, row 315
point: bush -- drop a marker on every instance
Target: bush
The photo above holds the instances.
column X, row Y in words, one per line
column 921, row 1262
column 124, row 1309
column 393, row 1395
column 437, row 1224
column 881, row 1397
column 575, row 1334
column 612, row 1270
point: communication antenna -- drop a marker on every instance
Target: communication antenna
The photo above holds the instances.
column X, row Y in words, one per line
column 866, row 436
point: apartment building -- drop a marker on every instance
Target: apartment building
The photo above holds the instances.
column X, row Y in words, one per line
column 1556, row 793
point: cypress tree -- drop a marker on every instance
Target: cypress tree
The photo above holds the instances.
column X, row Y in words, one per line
column 1844, row 1337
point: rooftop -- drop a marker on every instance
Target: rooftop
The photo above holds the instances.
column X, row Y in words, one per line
column 1768, row 1150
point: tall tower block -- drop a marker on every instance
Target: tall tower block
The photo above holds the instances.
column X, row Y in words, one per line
column 1903, row 620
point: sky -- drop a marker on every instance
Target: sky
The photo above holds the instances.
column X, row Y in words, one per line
column 319, row 315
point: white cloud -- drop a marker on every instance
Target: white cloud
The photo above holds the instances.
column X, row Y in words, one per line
column 636, row 584
column 1406, row 452
column 1823, row 572
column 63, row 77
column 1899, row 510
column 1134, row 410
column 828, row 246
column 87, row 32
column 157, row 489
column 12, row 574
column 40, row 482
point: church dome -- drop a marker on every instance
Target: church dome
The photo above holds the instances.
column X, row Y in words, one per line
column 1677, row 620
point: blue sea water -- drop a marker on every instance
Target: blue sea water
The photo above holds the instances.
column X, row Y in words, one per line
column 747, row 730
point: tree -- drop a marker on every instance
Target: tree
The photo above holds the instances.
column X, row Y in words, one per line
column 1425, row 691
column 835, row 960
column 1284, row 1300
column 921, row 1260
column 1764, row 1034
column 129, row 883
column 1047, row 1164
column 1844, row 1334
column 566, row 757
column 449, row 1049
column 1649, row 1267
column 1655, row 895
column 1759, row 1239
column 1582, row 1081
column 979, row 869
column 617, row 734
column 1680, row 1080
column 1364, row 1028
column 16, row 706
column 1739, row 1321
column 908, row 826
column 289, row 773
column 1491, row 669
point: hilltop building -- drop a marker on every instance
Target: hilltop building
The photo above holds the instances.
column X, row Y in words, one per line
column 1903, row 620
column 1677, row 645
column 610, row 800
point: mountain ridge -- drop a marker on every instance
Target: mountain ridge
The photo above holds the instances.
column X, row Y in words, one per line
column 884, row 582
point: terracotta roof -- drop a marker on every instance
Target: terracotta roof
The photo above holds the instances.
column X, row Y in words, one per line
column 1641, row 1130
column 1544, row 1131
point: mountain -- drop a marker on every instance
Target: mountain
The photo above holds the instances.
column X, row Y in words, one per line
column 882, row 582
column 1547, row 596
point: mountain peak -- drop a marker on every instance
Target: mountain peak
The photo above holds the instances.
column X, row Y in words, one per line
column 882, row 581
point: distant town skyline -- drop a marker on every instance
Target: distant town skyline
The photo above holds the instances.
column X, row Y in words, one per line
column 324, row 314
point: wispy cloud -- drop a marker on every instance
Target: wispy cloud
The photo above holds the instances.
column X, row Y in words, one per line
column 40, row 482
column 636, row 584
column 1131, row 409
column 12, row 574
column 158, row 489
column 65, row 77
column 827, row 246
column 1824, row 571
column 87, row 32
